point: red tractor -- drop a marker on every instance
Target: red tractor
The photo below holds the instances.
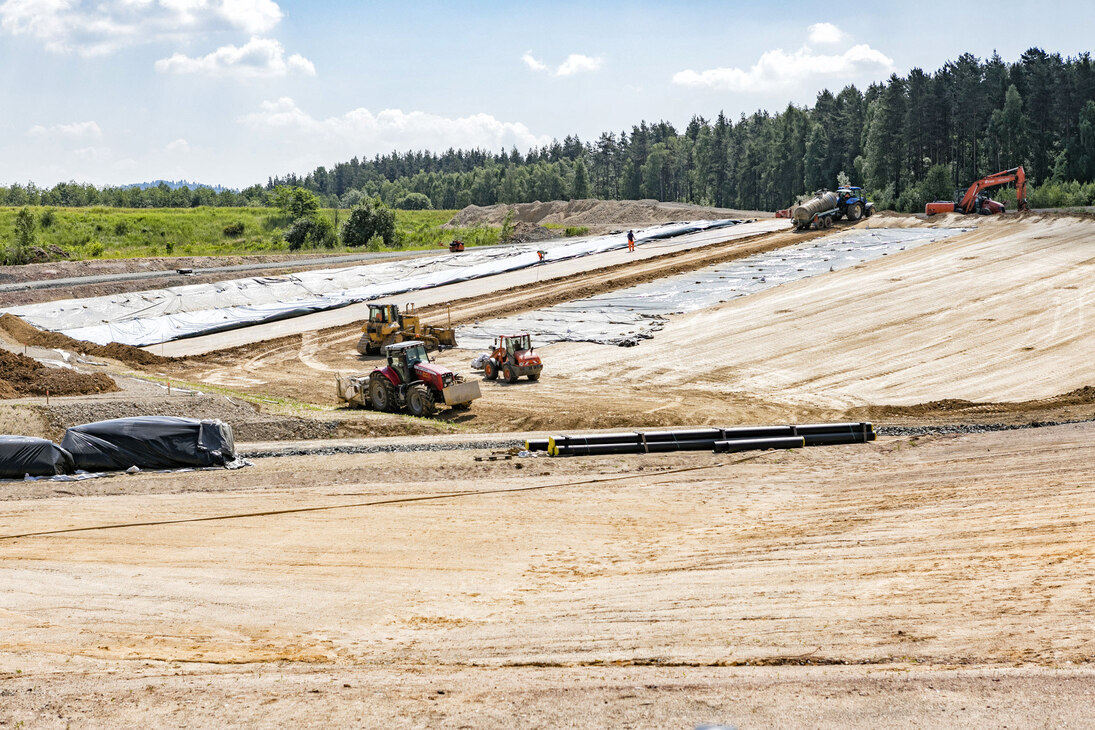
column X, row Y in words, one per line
column 410, row 380
column 513, row 357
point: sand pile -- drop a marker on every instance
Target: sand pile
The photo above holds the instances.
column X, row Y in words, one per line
column 595, row 213
column 23, row 376
column 27, row 334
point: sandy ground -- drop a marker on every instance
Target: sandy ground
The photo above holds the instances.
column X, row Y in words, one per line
column 909, row 582
column 905, row 582
column 988, row 326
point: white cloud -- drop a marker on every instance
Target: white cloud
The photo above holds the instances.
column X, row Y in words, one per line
column 361, row 132
column 533, row 63
column 258, row 58
column 178, row 146
column 76, row 130
column 95, row 155
column 825, row 34
column 99, row 27
column 575, row 63
column 779, row 69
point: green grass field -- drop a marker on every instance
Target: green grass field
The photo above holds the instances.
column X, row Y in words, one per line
column 84, row 233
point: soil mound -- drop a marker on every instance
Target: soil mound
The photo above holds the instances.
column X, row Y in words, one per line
column 529, row 232
column 27, row 334
column 23, row 376
column 597, row 214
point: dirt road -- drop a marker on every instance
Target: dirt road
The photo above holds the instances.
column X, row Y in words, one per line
column 941, row 578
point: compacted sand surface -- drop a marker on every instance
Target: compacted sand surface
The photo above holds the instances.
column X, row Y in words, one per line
column 901, row 580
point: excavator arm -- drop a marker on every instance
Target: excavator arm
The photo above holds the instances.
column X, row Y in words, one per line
column 1015, row 175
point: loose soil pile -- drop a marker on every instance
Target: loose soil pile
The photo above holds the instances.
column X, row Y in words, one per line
column 23, row 376
column 27, row 334
column 248, row 422
column 598, row 215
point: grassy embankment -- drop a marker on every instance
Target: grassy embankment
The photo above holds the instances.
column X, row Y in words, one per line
column 84, row 233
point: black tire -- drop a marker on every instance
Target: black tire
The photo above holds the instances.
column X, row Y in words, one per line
column 490, row 370
column 383, row 395
column 534, row 376
column 855, row 212
column 509, row 373
column 420, row 401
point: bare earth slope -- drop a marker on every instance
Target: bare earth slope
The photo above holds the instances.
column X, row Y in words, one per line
column 600, row 216
column 999, row 314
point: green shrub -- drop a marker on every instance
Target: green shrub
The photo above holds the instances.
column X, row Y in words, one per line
column 46, row 220
column 371, row 218
column 94, row 249
column 414, row 201
column 311, row 233
column 234, row 230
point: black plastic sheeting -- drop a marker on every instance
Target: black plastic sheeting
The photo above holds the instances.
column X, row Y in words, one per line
column 23, row 455
column 150, row 442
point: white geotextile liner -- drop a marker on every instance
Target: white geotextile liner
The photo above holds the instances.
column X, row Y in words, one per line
column 629, row 315
column 162, row 315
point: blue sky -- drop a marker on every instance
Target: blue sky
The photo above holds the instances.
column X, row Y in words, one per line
column 233, row 91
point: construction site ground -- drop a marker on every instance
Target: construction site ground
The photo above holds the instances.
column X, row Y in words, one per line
column 941, row 574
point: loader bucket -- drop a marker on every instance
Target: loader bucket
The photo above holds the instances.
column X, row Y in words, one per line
column 459, row 393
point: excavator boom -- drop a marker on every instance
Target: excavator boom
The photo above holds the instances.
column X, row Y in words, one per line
column 1015, row 175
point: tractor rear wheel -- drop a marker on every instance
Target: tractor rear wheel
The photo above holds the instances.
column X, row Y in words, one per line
column 382, row 395
column 490, row 370
column 509, row 373
column 855, row 212
column 420, row 401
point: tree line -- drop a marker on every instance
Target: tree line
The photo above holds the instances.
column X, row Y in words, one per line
column 971, row 117
column 908, row 140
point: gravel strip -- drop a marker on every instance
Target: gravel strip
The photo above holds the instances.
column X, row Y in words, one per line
column 969, row 427
column 319, row 450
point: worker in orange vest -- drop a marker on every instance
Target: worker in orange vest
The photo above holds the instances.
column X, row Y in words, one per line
column 631, row 240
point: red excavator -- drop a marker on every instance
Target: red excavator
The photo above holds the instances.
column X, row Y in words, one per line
column 975, row 199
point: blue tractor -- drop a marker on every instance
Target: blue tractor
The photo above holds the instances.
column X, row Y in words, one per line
column 826, row 207
column 853, row 204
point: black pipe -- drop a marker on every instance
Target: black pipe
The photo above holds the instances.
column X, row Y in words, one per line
column 633, row 442
column 654, row 448
column 631, row 437
column 816, row 428
column 536, row 445
column 829, row 439
column 783, row 442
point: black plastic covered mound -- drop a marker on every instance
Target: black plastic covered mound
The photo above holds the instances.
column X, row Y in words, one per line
column 150, row 442
column 22, row 455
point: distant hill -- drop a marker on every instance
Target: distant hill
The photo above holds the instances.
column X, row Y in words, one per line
column 176, row 184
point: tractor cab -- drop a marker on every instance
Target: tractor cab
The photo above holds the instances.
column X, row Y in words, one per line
column 403, row 356
column 515, row 343
column 383, row 313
